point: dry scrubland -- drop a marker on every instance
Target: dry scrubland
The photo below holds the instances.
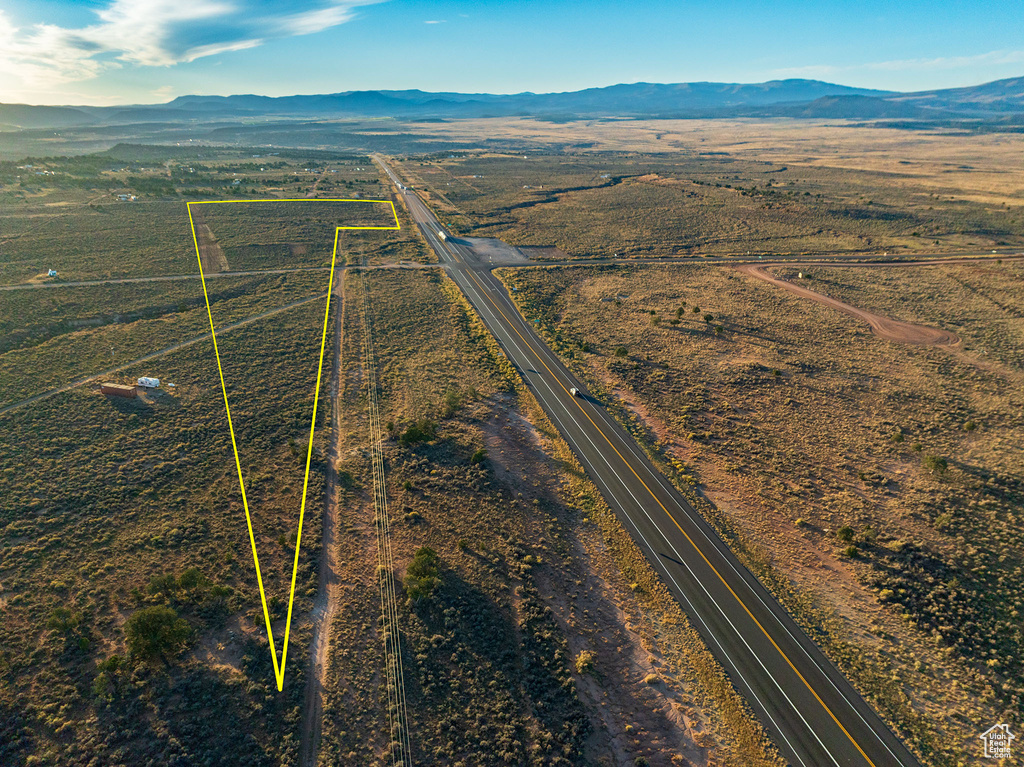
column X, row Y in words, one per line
column 301, row 234
column 70, row 218
column 50, row 337
column 540, row 635
column 876, row 487
column 110, row 507
column 121, row 520
column 983, row 303
column 691, row 188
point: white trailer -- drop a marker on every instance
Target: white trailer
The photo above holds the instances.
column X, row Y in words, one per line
column 148, row 383
column 442, row 235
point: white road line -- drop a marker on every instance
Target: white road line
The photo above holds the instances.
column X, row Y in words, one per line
column 672, row 578
column 442, row 248
column 662, row 481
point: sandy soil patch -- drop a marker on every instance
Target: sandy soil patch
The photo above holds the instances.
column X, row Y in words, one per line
column 211, row 254
column 599, row 615
column 883, row 327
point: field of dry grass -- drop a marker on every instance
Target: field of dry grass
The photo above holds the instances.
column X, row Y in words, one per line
column 104, row 498
column 111, row 509
column 547, row 640
column 876, row 487
column 269, row 235
column 63, row 335
column 73, row 222
column 649, row 188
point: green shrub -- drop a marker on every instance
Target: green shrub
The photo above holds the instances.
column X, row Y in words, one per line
column 584, row 662
column 936, row 464
column 164, row 585
column 478, row 456
column 845, row 533
column 450, row 404
column 64, row 621
column 107, row 681
column 155, row 632
column 192, row 579
column 422, row 575
column 620, row 351
column 421, row 431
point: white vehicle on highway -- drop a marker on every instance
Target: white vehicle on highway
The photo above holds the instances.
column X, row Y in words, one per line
column 574, row 391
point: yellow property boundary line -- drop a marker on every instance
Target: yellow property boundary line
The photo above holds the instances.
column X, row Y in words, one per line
column 278, row 667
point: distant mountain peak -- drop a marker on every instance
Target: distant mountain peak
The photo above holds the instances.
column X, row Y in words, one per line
column 791, row 97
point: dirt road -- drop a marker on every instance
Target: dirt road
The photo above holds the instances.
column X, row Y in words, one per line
column 328, row 587
column 210, row 251
column 883, row 327
column 153, row 355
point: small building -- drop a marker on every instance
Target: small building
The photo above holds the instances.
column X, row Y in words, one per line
column 149, row 383
column 118, row 390
column 51, row 273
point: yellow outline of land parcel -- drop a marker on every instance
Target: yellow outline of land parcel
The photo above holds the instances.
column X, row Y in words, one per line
column 278, row 667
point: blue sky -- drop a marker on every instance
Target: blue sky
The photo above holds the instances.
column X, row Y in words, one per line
column 146, row 51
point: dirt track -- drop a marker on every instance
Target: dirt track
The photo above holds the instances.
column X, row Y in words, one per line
column 327, row 592
column 95, row 377
column 883, row 327
column 211, row 253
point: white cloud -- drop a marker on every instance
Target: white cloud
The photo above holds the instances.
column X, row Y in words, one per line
column 906, row 65
column 951, row 62
column 313, row 21
column 157, row 33
column 214, row 48
column 439, row 21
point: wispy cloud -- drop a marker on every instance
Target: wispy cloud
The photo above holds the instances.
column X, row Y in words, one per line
column 436, row 21
column 158, row 33
column 907, row 65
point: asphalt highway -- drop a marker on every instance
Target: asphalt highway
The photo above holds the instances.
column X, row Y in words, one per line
column 806, row 705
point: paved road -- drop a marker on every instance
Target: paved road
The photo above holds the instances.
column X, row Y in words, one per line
column 808, row 708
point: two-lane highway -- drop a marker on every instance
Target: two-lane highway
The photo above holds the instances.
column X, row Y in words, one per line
column 806, row 705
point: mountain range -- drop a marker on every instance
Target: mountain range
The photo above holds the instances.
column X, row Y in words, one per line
column 795, row 98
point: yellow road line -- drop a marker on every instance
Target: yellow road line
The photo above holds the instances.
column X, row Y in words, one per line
column 648, row 489
column 278, row 667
